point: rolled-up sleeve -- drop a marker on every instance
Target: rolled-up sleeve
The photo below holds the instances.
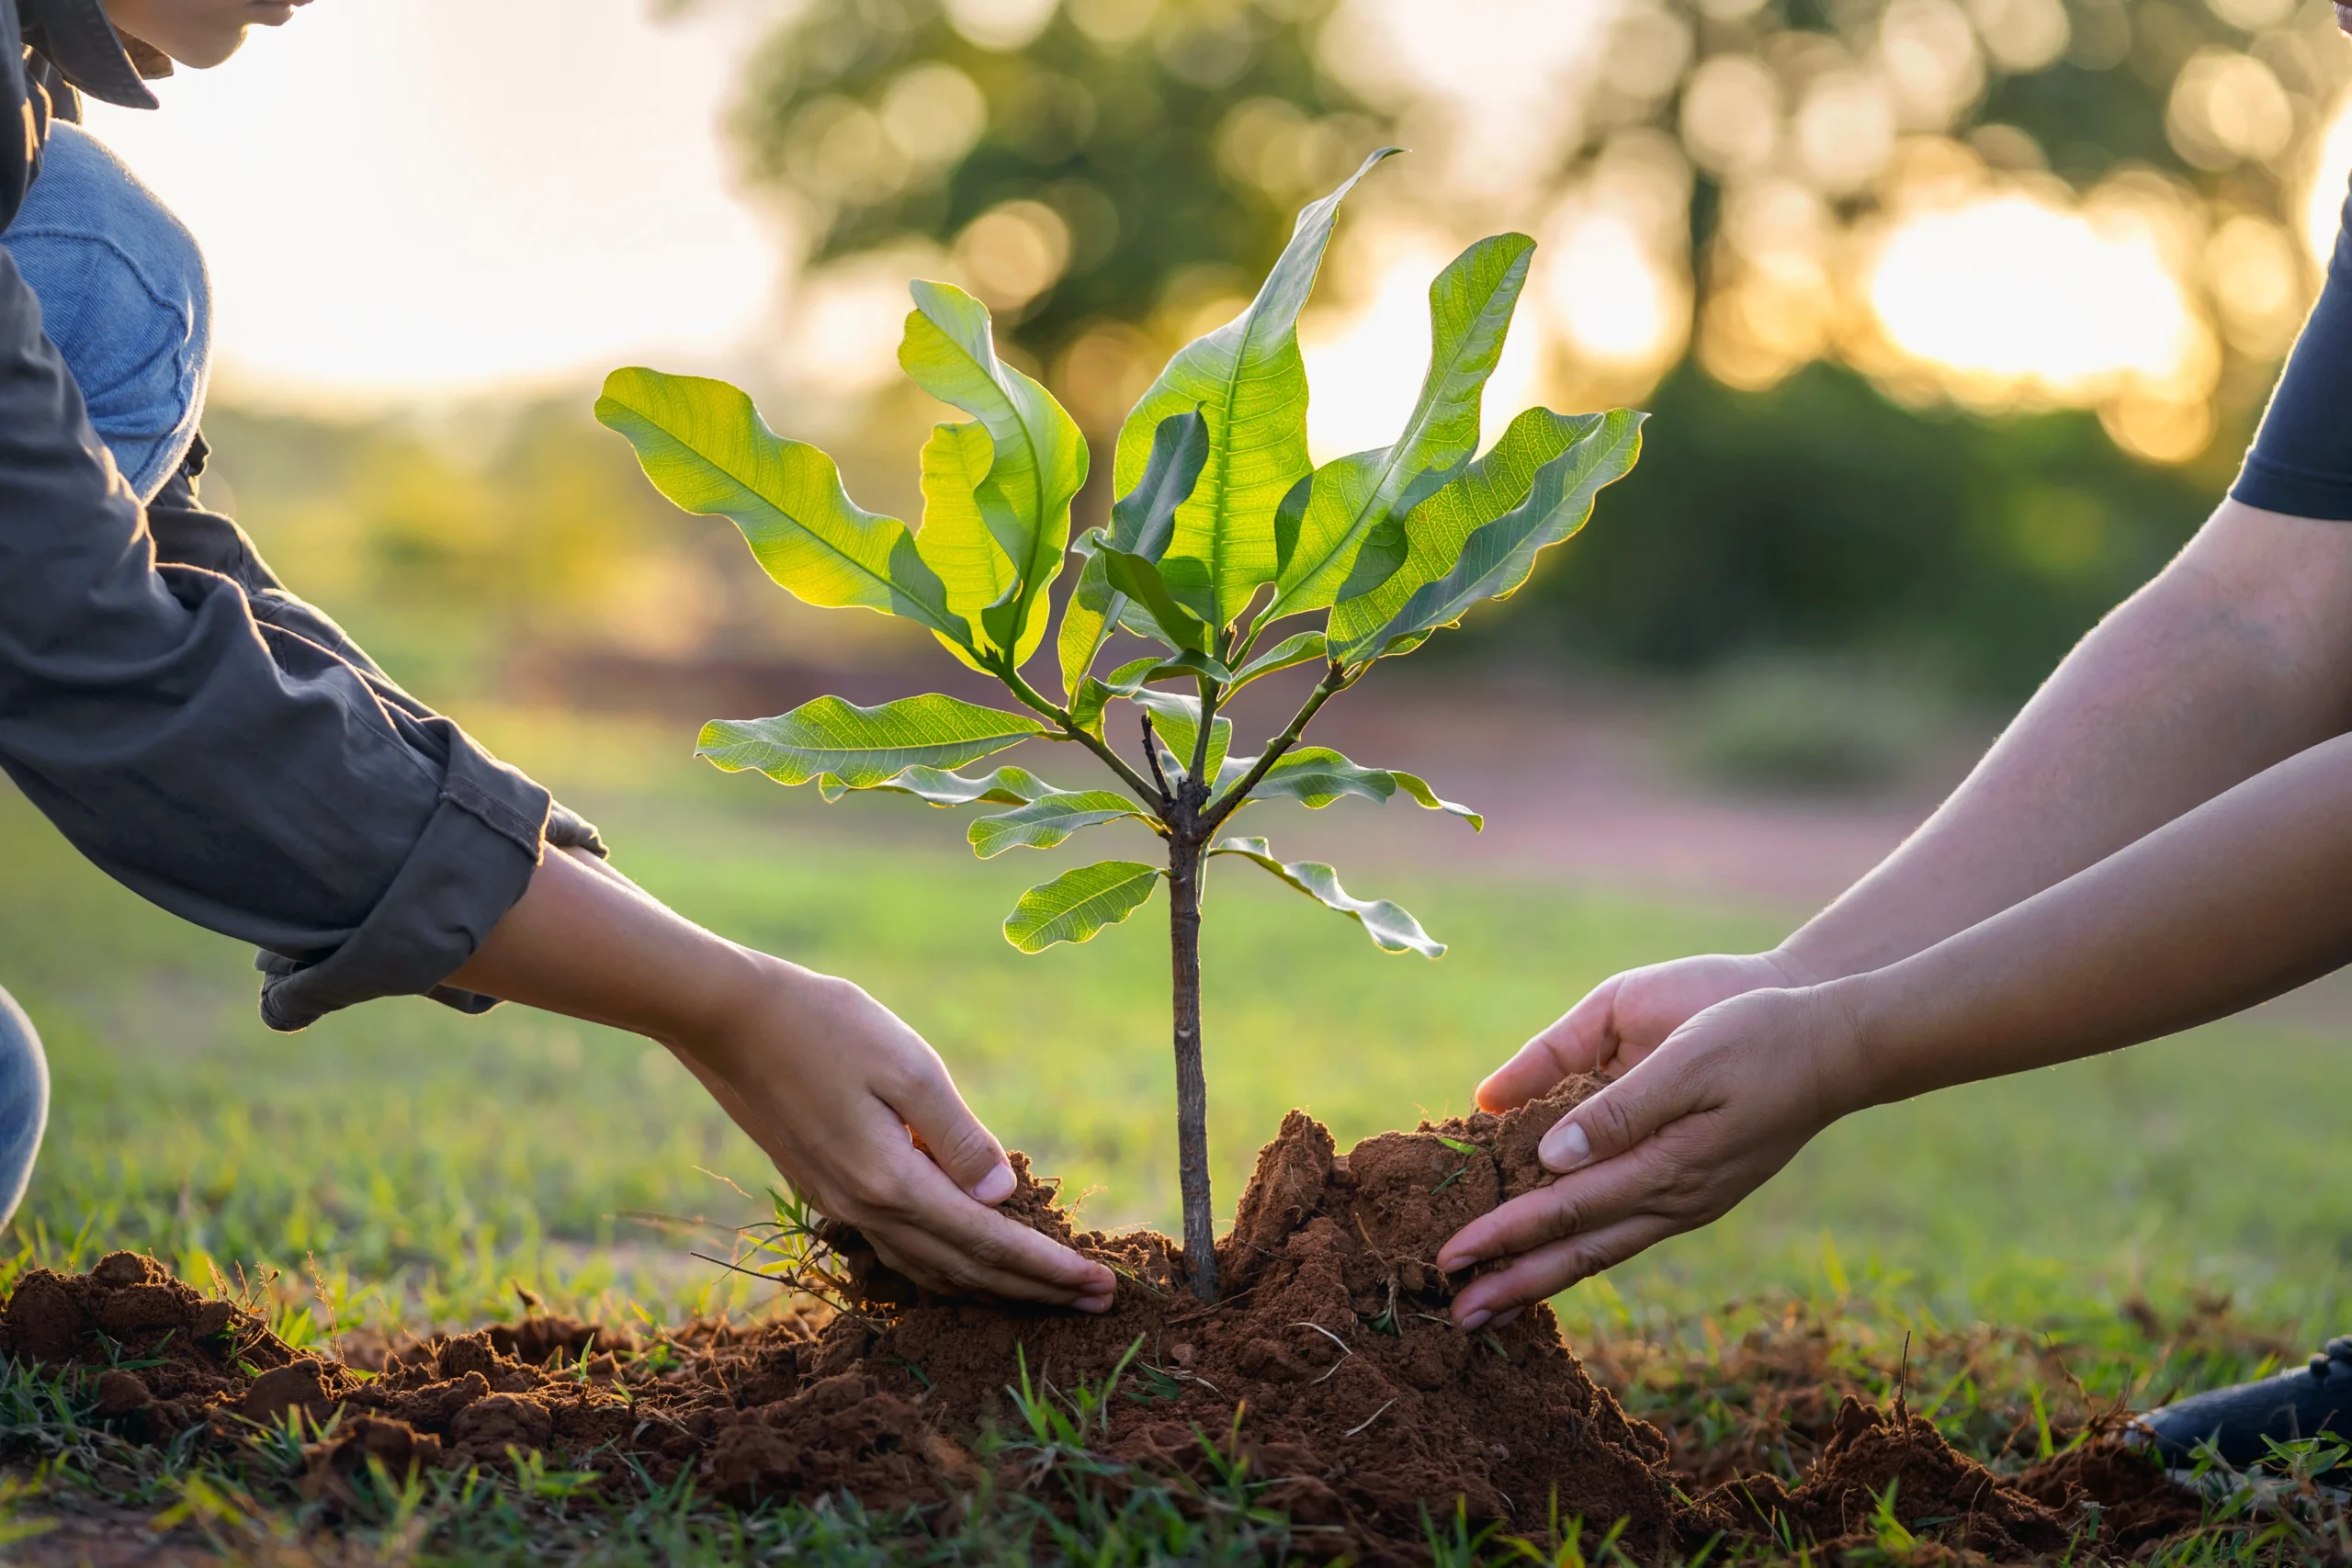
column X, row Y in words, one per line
column 221, row 763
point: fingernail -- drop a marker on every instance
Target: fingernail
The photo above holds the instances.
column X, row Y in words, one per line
column 1564, row 1147
column 1477, row 1321
column 996, row 1186
column 1092, row 1303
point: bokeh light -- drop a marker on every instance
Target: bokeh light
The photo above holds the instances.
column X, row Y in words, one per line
column 2226, row 107
column 2323, row 194
column 2017, row 297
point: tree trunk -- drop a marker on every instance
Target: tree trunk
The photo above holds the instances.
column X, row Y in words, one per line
column 1191, row 1086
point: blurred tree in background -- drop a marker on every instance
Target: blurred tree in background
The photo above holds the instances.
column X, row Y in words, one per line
column 478, row 552
column 1969, row 552
column 1718, row 185
column 1071, row 156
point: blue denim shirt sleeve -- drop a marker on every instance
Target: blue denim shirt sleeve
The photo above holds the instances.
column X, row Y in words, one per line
column 124, row 297
column 2301, row 463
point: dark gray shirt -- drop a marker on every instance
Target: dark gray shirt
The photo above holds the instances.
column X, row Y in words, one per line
column 207, row 738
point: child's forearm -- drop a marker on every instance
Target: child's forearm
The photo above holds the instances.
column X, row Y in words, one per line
column 2248, row 895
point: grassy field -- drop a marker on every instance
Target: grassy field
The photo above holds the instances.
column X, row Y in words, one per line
column 402, row 1160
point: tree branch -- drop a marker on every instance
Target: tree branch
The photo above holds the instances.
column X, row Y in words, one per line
column 1335, row 681
column 1157, row 799
column 1151, row 753
column 1209, row 689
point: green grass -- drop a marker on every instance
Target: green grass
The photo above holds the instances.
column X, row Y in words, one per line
column 403, row 1142
column 402, row 1162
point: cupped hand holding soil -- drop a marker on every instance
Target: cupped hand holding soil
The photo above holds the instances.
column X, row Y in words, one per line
column 856, row 1111
column 1675, row 1144
column 1625, row 1018
column 860, row 1114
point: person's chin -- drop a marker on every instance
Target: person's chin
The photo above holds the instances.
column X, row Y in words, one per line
column 219, row 51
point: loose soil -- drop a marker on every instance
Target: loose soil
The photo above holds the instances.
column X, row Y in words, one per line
column 1329, row 1366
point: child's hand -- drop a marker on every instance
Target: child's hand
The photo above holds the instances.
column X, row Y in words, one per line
column 829, row 1083
column 1625, row 1018
column 1695, row 1126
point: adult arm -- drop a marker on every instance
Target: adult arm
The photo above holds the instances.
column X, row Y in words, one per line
column 2233, row 902
column 2237, row 655
column 823, row 1078
column 237, row 775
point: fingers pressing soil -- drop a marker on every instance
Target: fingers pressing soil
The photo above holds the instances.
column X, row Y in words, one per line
column 1329, row 1366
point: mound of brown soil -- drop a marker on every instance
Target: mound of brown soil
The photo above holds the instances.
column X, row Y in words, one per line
column 1332, row 1333
column 1885, row 1467
column 1329, row 1367
column 2122, row 1487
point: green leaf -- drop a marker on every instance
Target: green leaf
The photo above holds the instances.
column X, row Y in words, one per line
column 1477, row 538
column 1086, row 708
column 1046, row 821
column 1437, row 528
column 1142, row 522
column 1178, row 720
column 954, row 541
column 1390, row 928
column 707, row 448
column 1139, row 580
column 1419, row 788
column 1077, row 904
column 1038, row 459
column 1314, row 776
column 1249, row 384
column 1351, row 537
column 863, row 748
column 1006, row 786
column 1298, row 648
column 1093, row 695
column 1188, row 662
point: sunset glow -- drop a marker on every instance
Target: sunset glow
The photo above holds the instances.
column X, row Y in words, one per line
column 439, row 225
column 2021, row 299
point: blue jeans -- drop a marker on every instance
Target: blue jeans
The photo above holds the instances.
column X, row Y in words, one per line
column 24, row 1102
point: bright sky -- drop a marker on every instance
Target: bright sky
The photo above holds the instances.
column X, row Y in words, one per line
column 435, row 195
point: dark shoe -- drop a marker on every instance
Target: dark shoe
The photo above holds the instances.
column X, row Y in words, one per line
column 2312, row 1401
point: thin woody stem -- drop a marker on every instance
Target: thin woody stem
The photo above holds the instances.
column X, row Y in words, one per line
column 1335, row 681
column 1158, row 799
column 1191, row 1086
column 1209, row 691
column 1151, row 753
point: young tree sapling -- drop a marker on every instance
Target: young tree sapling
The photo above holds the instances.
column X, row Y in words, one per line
column 1223, row 530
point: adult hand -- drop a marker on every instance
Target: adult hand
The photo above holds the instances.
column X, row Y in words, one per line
column 825, row 1080
column 1625, row 1018
column 835, row 1090
column 1692, row 1128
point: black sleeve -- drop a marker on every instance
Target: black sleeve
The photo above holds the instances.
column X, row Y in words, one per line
column 2301, row 463
column 236, row 772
